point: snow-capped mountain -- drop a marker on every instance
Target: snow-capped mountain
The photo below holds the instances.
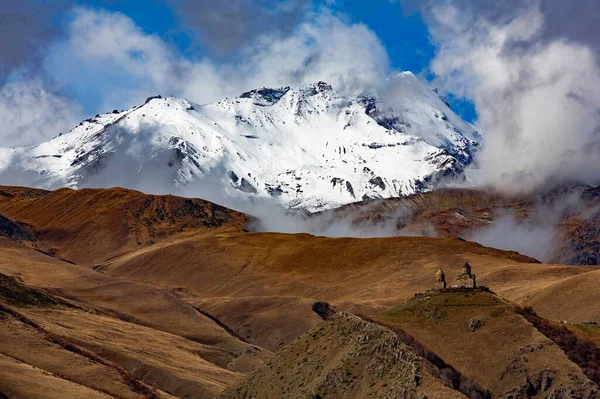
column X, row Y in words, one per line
column 308, row 148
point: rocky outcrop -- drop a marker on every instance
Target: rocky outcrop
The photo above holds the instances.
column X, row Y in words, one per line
column 344, row 356
column 13, row 230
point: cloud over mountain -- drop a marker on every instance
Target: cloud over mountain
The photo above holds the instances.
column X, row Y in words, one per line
column 103, row 60
column 530, row 68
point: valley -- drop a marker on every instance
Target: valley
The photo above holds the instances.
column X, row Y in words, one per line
column 174, row 297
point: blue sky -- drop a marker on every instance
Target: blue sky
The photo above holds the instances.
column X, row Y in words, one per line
column 404, row 35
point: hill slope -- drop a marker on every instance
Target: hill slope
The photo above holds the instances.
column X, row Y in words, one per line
column 56, row 317
column 262, row 285
column 558, row 226
column 572, row 299
column 343, row 357
column 259, row 284
column 490, row 343
column 188, row 311
column 88, row 226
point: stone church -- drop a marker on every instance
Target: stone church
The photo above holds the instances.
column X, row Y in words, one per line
column 440, row 279
column 464, row 280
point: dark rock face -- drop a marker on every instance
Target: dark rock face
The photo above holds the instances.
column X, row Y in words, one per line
column 274, row 191
column 386, row 120
column 317, row 88
column 342, row 182
column 541, row 384
column 323, row 86
column 378, row 181
column 350, row 189
column 583, row 243
column 234, row 177
column 210, row 215
column 370, row 104
column 442, row 97
column 158, row 97
column 266, row 95
column 323, row 309
column 591, row 193
column 390, row 122
column 13, row 230
column 336, row 180
column 247, row 187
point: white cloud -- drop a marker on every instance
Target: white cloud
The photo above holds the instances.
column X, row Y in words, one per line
column 31, row 113
column 535, row 98
column 108, row 61
column 107, row 56
column 350, row 57
column 105, row 61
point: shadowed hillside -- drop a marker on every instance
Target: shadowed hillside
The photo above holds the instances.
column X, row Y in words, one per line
column 13, row 230
column 465, row 212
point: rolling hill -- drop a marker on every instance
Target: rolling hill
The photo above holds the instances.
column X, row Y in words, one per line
column 486, row 339
column 340, row 358
column 175, row 296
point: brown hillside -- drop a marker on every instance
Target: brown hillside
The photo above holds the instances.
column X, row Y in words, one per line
column 450, row 212
column 462, row 212
column 166, row 290
column 343, row 357
column 91, row 225
column 141, row 330
column 20, row 380
column 486, row 340
column 572, row 299
column 261, row 285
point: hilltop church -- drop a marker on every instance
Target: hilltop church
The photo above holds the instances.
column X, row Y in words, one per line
column 464, row 280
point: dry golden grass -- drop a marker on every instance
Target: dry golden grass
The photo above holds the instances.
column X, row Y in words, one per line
column 143, row 261
column 166, row 361
column 23, row 342
column 483, row 337
column 257, row 282
column 144, row 330
column 343, row 357
column 575, row 299
column 21, row 380
column 139, row 303
column 91, row 225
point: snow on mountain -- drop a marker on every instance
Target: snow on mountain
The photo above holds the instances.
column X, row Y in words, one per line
column 308, row 148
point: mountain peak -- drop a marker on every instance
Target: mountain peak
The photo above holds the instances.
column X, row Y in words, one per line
column 319, row 87
column 308, row 148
